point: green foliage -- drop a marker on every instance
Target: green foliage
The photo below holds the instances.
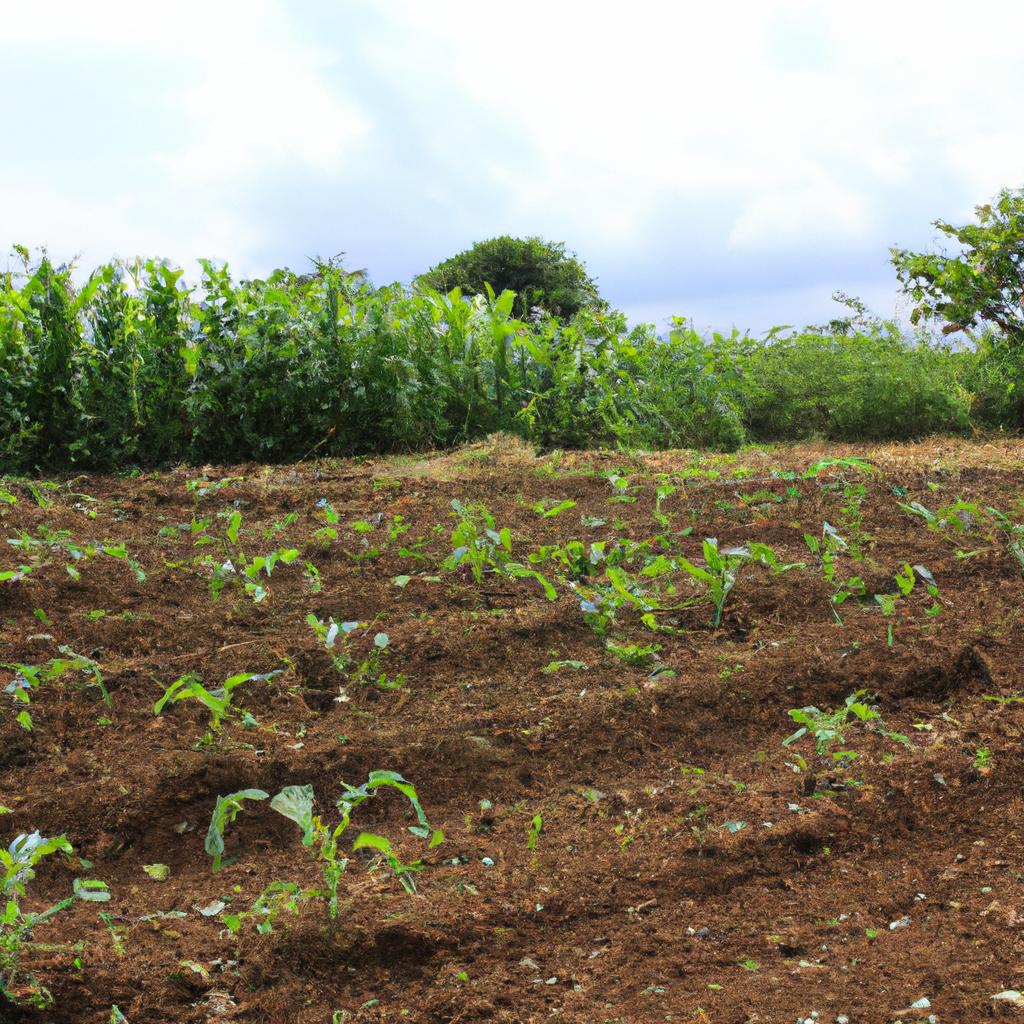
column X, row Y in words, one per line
column 479, row 547
column 216, row 701
column 541, row 275
column 136, row 366
column 17, row 869
column 296, row 804
column 982, row 283
column 717, row 576
column 828, row 727
column 29, row 677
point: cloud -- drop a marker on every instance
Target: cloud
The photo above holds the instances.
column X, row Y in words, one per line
column 723, row 158
column 816, row 217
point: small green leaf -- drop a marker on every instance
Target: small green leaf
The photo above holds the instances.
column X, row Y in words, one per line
column 296, row 804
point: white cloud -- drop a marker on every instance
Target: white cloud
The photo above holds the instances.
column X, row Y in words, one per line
column 754, row 131
column 812, row 217
column 243, row 97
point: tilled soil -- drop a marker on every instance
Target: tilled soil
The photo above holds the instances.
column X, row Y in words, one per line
column 689, row 867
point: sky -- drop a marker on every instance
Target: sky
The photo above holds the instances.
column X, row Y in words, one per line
column 734, row 164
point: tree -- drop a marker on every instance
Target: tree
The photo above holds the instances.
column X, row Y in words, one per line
column 541, row 273
column 983, row 283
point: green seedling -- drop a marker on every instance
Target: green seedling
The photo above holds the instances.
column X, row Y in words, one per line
column 548, row 509
column 1014, row 533
column 17, row 869
column 718, row 576
column 29, row 677
column 479, row 547
column 217, row 702
column 534, row 831
column 956, row 519
column 906, row 579
column 828, row 727
column 225, row 568
column 636, row 655
column 336, row 638
column 849, row 462
column 557, row 666
column 661, row 493
column 620, row 485
column 296, row 804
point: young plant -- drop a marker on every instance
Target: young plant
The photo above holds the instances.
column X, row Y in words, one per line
column 548, row 509
column 906, row 579
column 249, row 577
column 217, row 702
column 635, row 655
column 325, row 840
column 479, row 547
column 17, row 869
column 718, row 576
column 828, row 550
column 828, row 727
column 29, row 677
column 1014, row 533
column 335, row 637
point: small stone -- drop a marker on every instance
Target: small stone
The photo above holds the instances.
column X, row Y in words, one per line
column 487, row 862
column 702, row 933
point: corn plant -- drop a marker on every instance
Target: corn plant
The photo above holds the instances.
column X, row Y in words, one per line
column 17, row 869
column 216, row 701
column 325, row 840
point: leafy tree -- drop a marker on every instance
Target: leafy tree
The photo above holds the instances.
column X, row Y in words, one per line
column 541, row 273
column 980, row 285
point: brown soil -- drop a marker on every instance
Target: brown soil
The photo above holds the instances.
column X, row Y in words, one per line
column 850, row 889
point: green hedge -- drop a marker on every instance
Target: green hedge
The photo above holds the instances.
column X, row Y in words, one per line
column 137, row 368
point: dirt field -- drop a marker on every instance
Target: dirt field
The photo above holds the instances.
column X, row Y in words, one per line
column 687, row 866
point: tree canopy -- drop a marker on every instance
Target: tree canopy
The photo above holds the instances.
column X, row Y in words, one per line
column 541, row 273
column 980, row 285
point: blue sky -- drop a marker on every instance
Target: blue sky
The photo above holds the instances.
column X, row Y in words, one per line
column 730, row 163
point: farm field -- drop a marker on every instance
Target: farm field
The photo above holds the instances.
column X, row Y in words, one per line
column 594, row 668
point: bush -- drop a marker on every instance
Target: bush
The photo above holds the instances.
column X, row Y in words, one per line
column 136, row 368
column 865, row 386
column 542, row 274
